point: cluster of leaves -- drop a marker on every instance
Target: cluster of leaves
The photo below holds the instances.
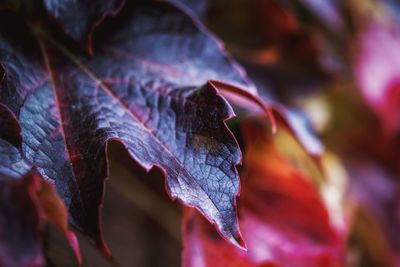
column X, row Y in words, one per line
column 76, row 74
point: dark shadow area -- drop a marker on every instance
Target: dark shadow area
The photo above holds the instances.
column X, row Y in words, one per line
column 141, row 225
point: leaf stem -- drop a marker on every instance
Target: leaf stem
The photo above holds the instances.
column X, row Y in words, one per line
column 222, row 86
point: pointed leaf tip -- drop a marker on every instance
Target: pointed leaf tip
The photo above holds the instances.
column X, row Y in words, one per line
column 153, row 101
column 238, row 242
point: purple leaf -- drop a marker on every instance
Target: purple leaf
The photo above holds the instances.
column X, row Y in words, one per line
column 79, row 18
column 146, row 85
column 327, row 11
column 9, row 127
column 20, row 243
column 301, row 128
column 31, row 198
column 196, row 6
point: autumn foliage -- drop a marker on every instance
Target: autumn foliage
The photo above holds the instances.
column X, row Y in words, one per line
column 273, row 123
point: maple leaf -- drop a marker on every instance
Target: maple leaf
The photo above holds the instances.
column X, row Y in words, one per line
column 146, row 85
column 79, row 18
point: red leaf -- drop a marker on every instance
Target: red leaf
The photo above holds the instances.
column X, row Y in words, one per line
column 282, row 217
column 54, row 211
column 376, row 71
column 79, row 18
column 145, row 87
column 203, row 246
